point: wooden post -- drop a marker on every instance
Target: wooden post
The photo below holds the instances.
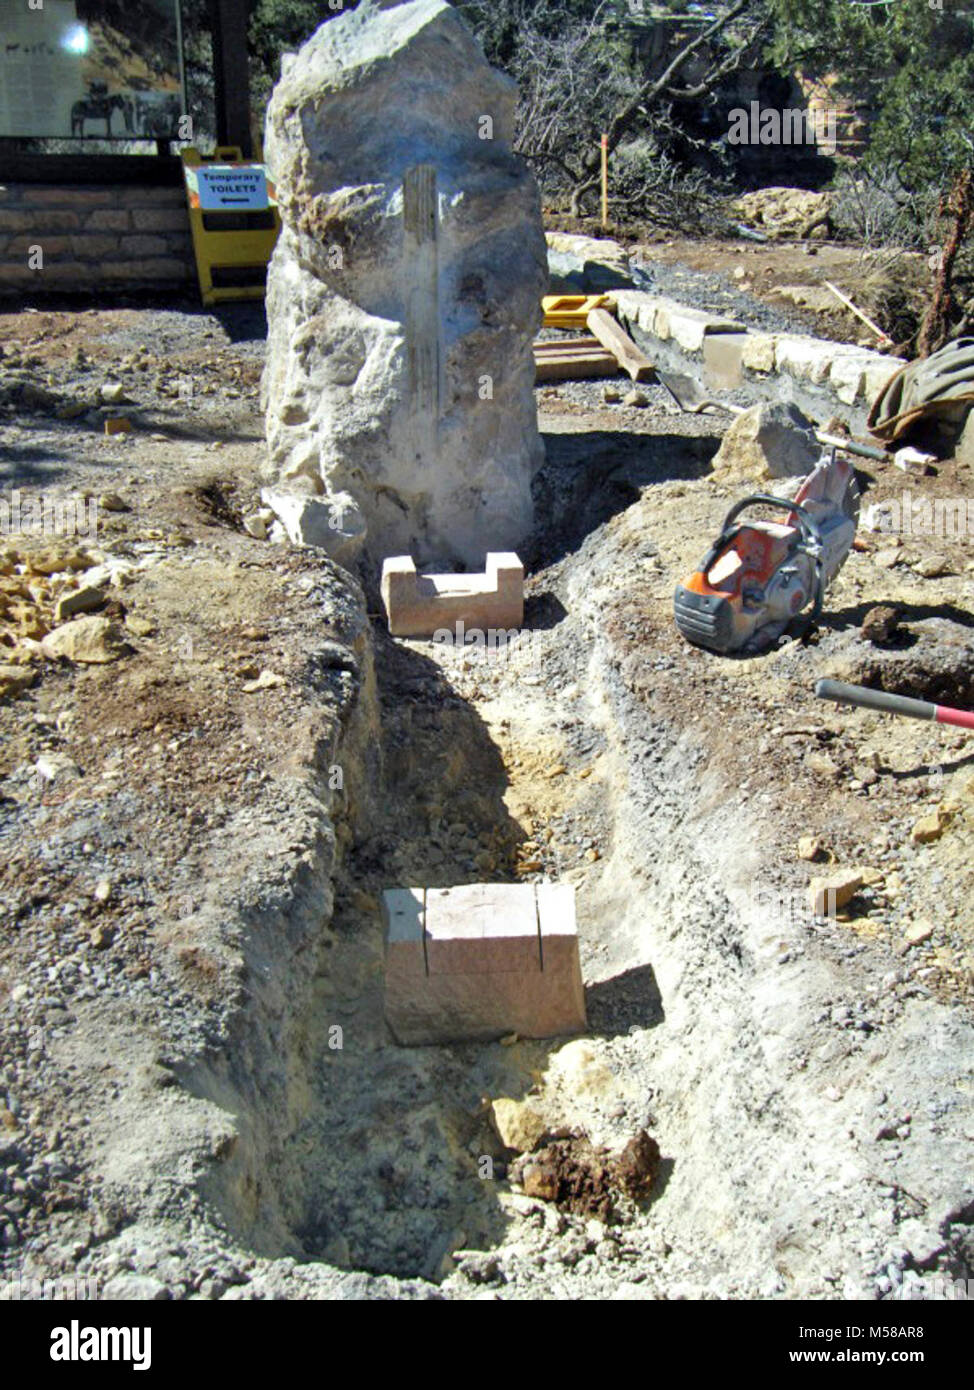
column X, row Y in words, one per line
column 228, row 22
column 605, row 182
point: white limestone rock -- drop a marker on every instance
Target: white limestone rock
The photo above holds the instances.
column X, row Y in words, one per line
column 404, row 292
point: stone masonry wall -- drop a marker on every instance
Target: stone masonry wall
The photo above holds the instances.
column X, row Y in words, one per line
column 120, row 236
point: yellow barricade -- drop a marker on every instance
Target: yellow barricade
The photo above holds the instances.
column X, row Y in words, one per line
column 234, row 220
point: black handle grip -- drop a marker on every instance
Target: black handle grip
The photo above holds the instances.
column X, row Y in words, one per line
column 874, row 699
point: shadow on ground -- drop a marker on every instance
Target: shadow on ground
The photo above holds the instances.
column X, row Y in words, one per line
column 589, row 477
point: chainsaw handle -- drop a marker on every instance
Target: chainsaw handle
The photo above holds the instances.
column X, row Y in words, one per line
column 806, row 523
column 805, row 520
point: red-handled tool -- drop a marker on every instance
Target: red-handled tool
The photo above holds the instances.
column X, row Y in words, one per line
column 892, row 704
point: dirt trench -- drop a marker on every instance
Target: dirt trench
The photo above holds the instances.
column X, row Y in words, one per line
column 763, row 1051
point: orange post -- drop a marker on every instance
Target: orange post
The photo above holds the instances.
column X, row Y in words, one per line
column 605, row 182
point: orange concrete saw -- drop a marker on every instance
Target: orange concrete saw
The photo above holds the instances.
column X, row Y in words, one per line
column 758, row 576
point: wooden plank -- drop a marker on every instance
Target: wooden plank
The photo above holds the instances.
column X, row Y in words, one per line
column 615, row 338
column 548, row 345
column 575, row 366
column 594, row 355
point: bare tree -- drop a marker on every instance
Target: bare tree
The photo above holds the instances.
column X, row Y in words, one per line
column 577, row 80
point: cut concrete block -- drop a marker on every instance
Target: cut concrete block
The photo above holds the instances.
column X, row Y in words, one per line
column 404, row 915
column 559, row 950
column 480, row 929
column 556, row 925
column 723, row 355
column 498, row 959
column 419, row 605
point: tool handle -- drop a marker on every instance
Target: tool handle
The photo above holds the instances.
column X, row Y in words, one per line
column 874, row 699
column 852, row 446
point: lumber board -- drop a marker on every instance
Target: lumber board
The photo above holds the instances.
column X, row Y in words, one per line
column 616, row 340
column 573, row 366
column 546, row 346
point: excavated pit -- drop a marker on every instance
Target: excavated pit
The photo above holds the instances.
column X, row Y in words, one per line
column 582, row 753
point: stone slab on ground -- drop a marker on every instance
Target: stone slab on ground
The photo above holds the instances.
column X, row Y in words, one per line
column 482, row 960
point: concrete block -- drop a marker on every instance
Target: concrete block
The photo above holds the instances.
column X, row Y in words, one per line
column 419, row 605
column 50, row 245
column 26, row 220
column 145, row 246
column 170, row 196
column 757, row 354
column 480, row 929
column 560, row 964
column 160, row 219
column 72, row 197
column 723, row 355
column 481, row 960
column 165, row 268
column 404, row 916
column 96, row 245
column 101, row 220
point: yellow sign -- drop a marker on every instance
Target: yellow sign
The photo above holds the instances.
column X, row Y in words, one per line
column 234, row 220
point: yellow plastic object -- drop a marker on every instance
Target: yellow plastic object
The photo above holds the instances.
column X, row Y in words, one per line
column 232, row 246
column 572, row 310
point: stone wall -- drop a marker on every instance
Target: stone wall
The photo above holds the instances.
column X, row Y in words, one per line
column 120, row 236
column 820, row 376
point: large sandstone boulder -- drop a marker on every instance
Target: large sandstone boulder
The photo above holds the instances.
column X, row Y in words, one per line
column 404, row 292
